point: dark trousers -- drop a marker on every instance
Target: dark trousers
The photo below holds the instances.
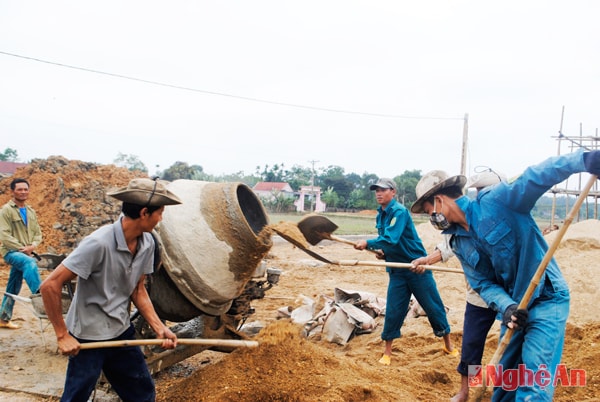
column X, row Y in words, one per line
column 124, row 367
column 476, row 325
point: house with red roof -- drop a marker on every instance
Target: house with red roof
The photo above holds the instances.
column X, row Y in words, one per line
column 272, row 189
column 9, row 168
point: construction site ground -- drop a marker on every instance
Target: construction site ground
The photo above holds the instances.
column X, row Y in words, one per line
column 288, row 367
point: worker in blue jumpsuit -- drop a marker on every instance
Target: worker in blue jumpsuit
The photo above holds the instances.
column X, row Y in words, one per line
column 399, row 242
column 500, row 247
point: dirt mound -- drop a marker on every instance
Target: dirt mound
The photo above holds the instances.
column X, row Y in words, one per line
column 70, row 198
column 288, row 367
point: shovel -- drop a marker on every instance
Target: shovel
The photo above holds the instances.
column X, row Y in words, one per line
column 300, row 245
column 319, row 257
column 287, row 230
column 318, row 227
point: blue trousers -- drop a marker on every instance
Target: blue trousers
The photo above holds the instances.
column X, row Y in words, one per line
column 539, row 344
column 124, row 368
column 476, row 325
column 22, row 267
column 403, row 283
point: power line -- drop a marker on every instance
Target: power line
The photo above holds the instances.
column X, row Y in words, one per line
column 246, row 98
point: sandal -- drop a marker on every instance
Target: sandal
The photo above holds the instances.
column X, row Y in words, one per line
column 452, row 353
column 385, row 360
column 9, row 325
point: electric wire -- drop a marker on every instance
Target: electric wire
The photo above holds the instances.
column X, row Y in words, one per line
column 246, row 98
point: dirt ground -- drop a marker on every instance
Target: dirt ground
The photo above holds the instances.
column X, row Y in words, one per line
column 288, row 367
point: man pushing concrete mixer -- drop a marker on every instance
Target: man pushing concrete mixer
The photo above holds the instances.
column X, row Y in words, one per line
column 110, row 266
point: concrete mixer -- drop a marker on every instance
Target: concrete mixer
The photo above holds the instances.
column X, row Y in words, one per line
column 211, row 266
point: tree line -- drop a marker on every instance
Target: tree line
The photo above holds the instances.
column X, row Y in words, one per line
column 339, row 190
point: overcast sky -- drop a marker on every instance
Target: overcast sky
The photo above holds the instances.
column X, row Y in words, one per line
column 371, row 86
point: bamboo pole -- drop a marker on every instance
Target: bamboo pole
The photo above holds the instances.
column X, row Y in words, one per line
column 535, row 280
column 180, row 341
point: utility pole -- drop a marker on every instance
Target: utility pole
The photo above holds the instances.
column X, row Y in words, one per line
column 463, row 161
column 312, row 186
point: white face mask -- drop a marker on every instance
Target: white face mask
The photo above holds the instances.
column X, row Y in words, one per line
column 438, row 220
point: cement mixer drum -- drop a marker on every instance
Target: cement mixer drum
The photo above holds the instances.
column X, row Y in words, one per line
column 210, row 246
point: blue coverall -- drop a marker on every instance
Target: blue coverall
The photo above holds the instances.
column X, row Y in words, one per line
column 501, row 252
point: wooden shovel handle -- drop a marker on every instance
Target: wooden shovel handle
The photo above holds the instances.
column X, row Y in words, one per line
column 180, row 341
column 342, row 240
column 397, row 265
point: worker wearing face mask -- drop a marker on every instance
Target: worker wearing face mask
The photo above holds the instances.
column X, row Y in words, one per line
column 500, row 246
column 478, row 317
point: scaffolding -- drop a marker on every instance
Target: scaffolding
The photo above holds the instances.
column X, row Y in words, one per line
column 572, row 187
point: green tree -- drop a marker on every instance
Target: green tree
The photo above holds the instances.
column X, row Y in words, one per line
column 334, row 177
column 9, row 155
column 131, row 162
column 273, row 174
column 278, row 202
column 298, row 176
column 367, row 196
column 330, row 198
column 407, row 183
column 356, row 200
column 249, row 180
column 181, row 170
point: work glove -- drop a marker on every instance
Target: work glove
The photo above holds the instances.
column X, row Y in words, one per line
column 591, row 161
column 520, row 317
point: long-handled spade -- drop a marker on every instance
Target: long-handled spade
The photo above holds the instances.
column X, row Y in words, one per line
column 289, row 232
column 535, row 280
column 315, row 228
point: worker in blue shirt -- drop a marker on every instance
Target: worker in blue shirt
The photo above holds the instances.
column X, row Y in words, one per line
column 399, row 242
column 478, row 317
column 500, row 247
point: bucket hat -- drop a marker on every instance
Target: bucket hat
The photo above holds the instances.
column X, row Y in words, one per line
column 383, row 183
column 485, row 179
column 432, row 183
column 146, row 192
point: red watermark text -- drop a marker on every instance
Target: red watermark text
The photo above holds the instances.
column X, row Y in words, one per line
column 511, row 379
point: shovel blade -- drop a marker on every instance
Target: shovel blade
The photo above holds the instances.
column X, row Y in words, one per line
column 315, row 228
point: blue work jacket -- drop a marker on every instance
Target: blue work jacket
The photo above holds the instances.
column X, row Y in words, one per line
column 504, row 246
column 397, row 235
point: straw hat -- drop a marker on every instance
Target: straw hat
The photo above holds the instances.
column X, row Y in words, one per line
column 432, row 183
column 146, row 192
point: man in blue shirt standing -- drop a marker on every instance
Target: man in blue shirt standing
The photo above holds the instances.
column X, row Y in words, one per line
column 500, row 247
column 398, row 240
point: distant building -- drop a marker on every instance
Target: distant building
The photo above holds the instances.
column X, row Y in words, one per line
column 316, row 205
column 309, row 196
column 9, row 168
column 269, row 190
